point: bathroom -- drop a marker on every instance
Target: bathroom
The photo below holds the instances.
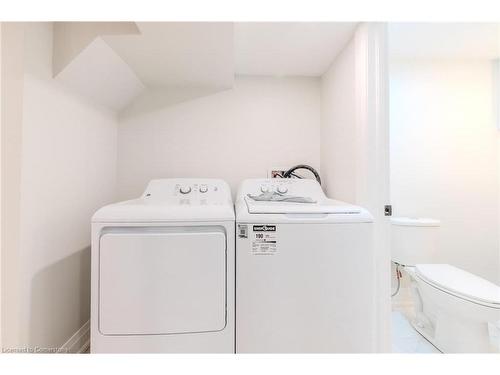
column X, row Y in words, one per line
column 444, row 150
column 393, row 116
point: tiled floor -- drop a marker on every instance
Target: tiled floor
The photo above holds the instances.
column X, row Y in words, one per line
column 495, row 335
column 405, row 339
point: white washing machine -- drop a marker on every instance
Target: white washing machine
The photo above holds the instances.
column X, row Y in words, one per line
column 163, row 270
column 304, row 271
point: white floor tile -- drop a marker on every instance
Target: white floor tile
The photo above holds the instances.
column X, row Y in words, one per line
column 405, row 339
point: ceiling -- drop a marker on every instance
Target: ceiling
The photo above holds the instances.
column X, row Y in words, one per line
column 288, row 48
column 111, row 83
column 187, row 54
column 444, row 40
column 201, row 54
column 162, row 62
column 118, row 64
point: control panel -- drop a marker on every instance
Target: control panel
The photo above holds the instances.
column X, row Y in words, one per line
column 280, row 188
column 188, row 191
column 286, row 186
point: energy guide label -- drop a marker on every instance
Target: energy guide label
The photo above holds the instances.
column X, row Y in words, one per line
column 264, row 240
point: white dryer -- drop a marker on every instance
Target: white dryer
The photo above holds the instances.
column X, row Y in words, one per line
column 304, row 271
column 163, row 270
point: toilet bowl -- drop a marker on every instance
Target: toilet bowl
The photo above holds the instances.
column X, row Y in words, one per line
column 453, row 308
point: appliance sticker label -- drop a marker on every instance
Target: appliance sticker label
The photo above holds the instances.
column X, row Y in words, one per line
column 264, row 240
column 242, row 231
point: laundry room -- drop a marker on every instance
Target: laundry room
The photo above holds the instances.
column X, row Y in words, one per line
column 97, row 110
column 244, row 187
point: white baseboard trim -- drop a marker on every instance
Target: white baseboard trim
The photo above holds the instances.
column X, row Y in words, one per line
column 79, row 342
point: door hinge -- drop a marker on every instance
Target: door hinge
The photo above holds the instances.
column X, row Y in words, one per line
column 388, row 210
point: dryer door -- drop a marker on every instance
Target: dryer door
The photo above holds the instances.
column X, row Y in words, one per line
column 162, row 280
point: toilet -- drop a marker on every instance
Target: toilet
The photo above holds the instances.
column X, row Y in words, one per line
column 452, row 307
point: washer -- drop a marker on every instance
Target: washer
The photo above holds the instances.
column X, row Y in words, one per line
column 304, row 272
column 163, row 270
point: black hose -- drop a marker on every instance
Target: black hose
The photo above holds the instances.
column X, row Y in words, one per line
column 289, row 173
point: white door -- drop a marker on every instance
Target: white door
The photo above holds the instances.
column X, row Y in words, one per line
column 162, row 281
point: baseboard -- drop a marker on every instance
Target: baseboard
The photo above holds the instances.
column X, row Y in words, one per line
column 79, row 342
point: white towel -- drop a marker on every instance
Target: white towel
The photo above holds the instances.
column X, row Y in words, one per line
column 274, row 196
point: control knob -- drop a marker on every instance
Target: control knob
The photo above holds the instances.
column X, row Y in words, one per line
column 282, row 189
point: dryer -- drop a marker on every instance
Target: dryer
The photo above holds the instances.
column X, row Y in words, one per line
column 304, row 270
column 163, row 270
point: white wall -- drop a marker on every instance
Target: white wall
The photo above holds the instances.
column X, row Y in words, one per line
column 235, row 134
column 496, row 105
column 1, row 228
column 12, row 109
column 338, row 126
column 67, row 171
column 444, row 161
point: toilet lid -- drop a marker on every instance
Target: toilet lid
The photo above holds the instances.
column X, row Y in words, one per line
column 460, row 282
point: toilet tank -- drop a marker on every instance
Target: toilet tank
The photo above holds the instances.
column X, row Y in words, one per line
column 414, row 240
